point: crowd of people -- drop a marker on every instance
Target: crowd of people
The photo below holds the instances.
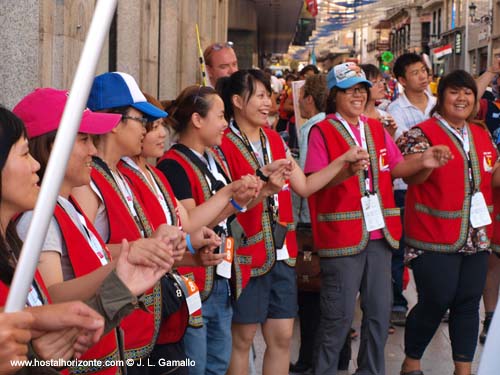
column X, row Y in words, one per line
column 179, row 223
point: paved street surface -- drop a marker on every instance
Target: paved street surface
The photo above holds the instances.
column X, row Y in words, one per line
column 436, row 361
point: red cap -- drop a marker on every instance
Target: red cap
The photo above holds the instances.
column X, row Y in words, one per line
column 41, row 112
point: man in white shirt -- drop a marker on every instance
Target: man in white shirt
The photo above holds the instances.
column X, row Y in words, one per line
column 413, row 106
column 415, row 103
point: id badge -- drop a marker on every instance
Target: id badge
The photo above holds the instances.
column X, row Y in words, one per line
column 33, row 298
column 372, row 212
column 479, row 215
column 193, row 299
column 224, row 268
column 282, row 254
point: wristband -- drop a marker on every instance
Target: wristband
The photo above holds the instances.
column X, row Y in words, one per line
column 237, row 206
column 190, row 245
column 261, row 175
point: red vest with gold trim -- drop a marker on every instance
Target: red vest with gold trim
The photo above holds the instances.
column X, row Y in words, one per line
column 202, row 276
column 140, row 328
column 437, row 210
column 173, row 328
column 336, row 216
column 257, row 254
column 84, row 261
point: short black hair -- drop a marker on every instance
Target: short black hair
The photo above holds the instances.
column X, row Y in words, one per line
column 403, row 61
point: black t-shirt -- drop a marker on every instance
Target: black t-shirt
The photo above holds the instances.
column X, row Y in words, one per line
column 177, row 177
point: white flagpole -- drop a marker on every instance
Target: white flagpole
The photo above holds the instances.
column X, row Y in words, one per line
column 490, row 360
column 56, row 168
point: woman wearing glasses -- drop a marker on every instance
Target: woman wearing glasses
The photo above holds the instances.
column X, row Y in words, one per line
column 267, row 255
column 355, row 235
column 115, row 210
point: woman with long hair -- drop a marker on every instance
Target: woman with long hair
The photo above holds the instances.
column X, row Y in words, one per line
column 152, row 187
column 355, row 235
column 59, row 331
column 448, row 225
column 197, row 173
column 118, row 212
column 75, row 261
column 267, row 293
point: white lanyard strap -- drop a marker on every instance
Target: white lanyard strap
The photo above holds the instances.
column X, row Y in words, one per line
column 80, row 222
column 154, row 187
column 363, row 145
column 463, row 138
column 464, row 141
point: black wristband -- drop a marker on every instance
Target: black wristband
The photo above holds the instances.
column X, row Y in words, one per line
column 261, row 175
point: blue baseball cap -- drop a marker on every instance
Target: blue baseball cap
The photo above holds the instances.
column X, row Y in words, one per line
column 344, row 76
column 116, row 89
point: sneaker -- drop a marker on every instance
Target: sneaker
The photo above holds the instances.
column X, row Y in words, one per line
column 398, row 318
column 484, row 332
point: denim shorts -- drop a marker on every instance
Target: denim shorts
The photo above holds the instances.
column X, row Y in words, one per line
column 271, row 296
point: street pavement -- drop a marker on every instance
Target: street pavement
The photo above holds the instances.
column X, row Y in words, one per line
column 437, row 359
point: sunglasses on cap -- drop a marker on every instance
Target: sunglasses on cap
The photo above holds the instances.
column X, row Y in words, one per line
column 219, row 46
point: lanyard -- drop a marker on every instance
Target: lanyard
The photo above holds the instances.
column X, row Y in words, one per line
column 80, row 222
column 208, row 160
column 129, row 198
column 272, row 202
column 263, row 141
column 465, row 142
column 153, row 186
column 363, row 145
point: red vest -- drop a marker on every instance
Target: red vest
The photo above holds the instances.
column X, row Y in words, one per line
column 173, row 328
column 202, row 276
column 257, row 254
column 140, row 328
column 437, row 211
column 38, row 281
column 147, row 197
column 83, row 261
column 336, row 215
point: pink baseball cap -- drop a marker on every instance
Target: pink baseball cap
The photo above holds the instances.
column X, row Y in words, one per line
column 41, row 112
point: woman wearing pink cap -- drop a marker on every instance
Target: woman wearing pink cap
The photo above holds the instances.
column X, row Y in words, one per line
column 354, row 235
column 75, row 261
column 59, row 331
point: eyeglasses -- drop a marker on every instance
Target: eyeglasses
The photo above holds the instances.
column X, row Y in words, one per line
column 357, row 90
column 142, row 120
column 215, row 47
column 219, row 46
